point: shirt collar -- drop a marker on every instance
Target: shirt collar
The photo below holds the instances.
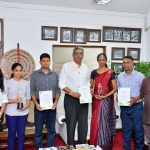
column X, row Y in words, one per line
column 40, row 70
column 132, row 73
column 16, row 81
column 76, row 65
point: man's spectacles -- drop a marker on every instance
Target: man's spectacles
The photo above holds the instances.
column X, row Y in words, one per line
column 78, row 53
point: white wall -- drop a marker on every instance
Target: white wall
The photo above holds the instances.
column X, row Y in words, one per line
column 147, row 36
column 22, row 23
column 147, row 46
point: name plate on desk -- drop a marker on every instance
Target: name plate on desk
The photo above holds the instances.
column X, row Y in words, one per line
column 46, row 99
column 123, row 96
column 86, row 96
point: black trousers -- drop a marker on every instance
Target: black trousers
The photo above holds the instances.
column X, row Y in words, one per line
column 76, row 113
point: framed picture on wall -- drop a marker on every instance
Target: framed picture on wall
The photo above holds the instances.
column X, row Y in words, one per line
column 66, row 35
column 117, row 34
column 126, row 35
column 80, row 35
column 93, row 35
column 49, row 33
column 136, row 36
column 117, row 67
column 117, row 53
column 121, row 34
column 108, row 34
column 134, row 52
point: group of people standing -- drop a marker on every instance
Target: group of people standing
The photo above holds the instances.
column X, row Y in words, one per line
column 74, row 74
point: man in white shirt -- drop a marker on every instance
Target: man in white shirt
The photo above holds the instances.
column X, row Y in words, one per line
column 73, row 75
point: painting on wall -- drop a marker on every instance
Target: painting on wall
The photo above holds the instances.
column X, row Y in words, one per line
column 66, row 35
column 80, row 35
column 121, row 34
column 93, row 35
column 117, row 53
column 49, row 33
column 134, row 52
column 117, row 67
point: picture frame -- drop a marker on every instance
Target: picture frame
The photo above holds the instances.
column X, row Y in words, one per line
column 80, row 35
column 93, row 35
column 117, row 34
column 66, row 35
column 117, row 67
column 49, row 33
column 126, row 35
column 117, row 53
column 136, row 35
column 134, row 52
column 121, row 34
column 108, row 34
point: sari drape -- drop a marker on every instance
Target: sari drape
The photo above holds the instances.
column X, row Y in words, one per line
column 103, row 117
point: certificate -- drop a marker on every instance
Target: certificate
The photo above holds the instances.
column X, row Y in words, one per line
column 123, row 96
column 46, row 99
column 85, row 92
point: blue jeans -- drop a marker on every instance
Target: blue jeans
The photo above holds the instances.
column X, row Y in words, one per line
column 41, row 117
column 132, row 120
column 16, row 124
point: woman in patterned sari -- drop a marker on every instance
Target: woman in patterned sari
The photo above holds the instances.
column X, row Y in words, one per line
column 103, row 86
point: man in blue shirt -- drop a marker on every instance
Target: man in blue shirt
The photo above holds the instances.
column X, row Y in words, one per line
column 44, row 80
column 131, row 115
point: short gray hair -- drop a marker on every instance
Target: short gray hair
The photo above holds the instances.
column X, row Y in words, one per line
column 78, row 47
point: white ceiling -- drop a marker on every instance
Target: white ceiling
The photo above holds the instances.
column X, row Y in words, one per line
column 135, row 6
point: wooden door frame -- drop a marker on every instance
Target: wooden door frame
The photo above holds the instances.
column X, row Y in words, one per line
column 2, row 38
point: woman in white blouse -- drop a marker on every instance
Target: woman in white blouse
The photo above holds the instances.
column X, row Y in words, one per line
column 3, row 99
column 18, row 93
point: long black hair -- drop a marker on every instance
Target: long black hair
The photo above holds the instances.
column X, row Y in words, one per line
column 103, row 54
column 1, row 81
column 14, row 66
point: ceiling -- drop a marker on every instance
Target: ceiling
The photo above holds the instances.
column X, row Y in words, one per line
column 134, row 6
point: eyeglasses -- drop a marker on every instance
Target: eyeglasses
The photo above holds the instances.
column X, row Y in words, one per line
column 78, row 53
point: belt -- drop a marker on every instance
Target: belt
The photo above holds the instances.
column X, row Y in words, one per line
column 140, row 100
column 38, row 100
column 70, row 96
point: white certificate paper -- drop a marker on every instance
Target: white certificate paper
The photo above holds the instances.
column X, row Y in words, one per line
column 123, row 96
column 86, row 96
column 46, row 99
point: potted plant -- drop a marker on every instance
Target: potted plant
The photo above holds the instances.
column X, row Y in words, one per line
column 143, row 67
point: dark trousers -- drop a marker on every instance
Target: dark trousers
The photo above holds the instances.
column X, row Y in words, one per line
column 132, row 121
column 76, row 113
column 41, row 117
column 16, row 124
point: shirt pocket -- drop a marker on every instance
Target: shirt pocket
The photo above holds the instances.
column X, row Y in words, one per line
column 135, row 84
